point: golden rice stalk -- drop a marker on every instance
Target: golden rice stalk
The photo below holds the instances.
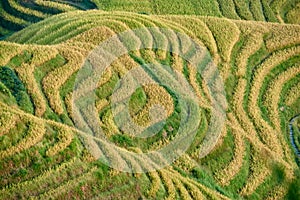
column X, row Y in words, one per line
column 293, row 15
column 258, row 175
column 26, row 74
column 155, row 183
column 272, row 99
column 239, row 109
column 212, row 194
column 48, row 176
column 69, row 185
column 253, row 42
column 127, row 62
column 177, row 63
column 106, row 76
column 100, row 104
column 272, row 96
column 226, row 34
column 200, row 30
column 7, row 121
column 193, row 190
column 236, row 125
column 12, row 18
column 93, row 36
column 168, row 184
column 185, row 162
column 277, row 193
column 293, row 94
column 57, row 5
column 9, row 50
column 157, row 95
column 14, row 4
column 69, row 104
column 65, row 138
column 283, row 36
column 256, row 142
column 243, row 8
column 266, row 131
column 227, row 174
column 56, row 78
column 184, row 193
column 36, row 132
column 256, row 9
column 109, row 123
column 276, row 6
column 193, row 81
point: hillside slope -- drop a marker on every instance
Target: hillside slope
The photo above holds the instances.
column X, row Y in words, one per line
column 16, row 14
column 45, row 154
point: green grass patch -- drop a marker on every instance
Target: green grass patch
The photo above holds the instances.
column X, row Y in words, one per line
column 220, row 156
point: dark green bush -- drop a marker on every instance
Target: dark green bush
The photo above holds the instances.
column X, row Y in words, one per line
column 10, row 79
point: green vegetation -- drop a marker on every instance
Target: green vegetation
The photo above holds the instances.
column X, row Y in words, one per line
column 52, row 149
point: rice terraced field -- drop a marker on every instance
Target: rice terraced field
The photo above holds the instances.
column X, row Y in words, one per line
column 149, row 99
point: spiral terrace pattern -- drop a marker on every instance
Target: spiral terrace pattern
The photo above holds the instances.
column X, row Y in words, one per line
column 259, row 74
